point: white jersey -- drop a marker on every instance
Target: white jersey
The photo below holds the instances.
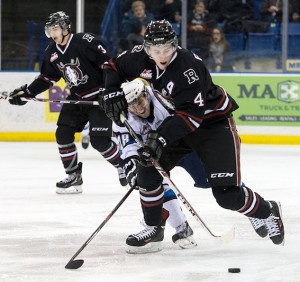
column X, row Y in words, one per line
column 141, row 126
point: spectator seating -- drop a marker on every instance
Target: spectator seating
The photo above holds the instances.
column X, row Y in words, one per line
column 261, row 44
column 236, row 41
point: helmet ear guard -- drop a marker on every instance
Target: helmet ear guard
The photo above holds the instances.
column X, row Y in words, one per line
column 134, row 89
column 60, row 19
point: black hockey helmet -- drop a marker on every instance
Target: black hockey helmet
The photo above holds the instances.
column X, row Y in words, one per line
column 160, row 32
column 60, row 19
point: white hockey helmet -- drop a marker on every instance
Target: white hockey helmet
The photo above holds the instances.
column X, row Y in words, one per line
column 134, row 89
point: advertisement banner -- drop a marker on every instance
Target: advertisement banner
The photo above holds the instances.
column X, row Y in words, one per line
column 266, row 100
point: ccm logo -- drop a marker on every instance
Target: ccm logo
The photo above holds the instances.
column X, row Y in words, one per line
column 112, row 95
column 99, row 129
column 221, row 174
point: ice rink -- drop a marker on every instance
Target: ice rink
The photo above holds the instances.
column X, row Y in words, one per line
column 40, row 231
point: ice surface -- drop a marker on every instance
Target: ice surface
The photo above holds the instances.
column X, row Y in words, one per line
column 40, row 231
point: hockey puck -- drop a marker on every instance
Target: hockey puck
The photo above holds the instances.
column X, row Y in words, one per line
column 234, row 270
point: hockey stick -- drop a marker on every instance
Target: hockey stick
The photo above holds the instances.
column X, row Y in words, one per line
column 95, row 103
column 75, row 264
column 226, row 238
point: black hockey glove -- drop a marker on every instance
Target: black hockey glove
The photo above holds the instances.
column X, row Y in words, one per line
column 114, row 104
column 130, row 167
column 152, row 149
column 15, row 96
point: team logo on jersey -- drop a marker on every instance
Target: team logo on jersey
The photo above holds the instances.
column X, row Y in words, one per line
column 147, row 74
column 53, row 57
column 191, row 76
column 146, row 128
column 137, row 48
column 88, row 37
column 72, row 73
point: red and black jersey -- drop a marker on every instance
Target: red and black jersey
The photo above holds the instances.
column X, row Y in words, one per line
column 79, row 63
column 198, row 101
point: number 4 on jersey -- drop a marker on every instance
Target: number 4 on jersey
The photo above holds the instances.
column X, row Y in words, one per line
column 198, row 100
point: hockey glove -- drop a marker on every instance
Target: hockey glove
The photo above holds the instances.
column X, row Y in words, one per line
column 130, row 167
column 114, row 104
column 152, row 149
column 15, row 96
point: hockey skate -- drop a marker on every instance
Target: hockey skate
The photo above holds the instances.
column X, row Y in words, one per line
column 147, row 241
column 183, row 238
column 274, row 224
column 71, row 184
column 259, row 226
column 122, row 176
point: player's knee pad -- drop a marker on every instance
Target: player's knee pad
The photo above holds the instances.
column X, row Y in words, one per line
column 64, row 134
column 101, row 143
column 229, row 197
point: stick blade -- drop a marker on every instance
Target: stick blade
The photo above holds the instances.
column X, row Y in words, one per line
column 74, row 264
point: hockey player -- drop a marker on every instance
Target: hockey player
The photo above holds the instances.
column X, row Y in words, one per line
column 77, row 58
column 146, row 112
column 202, row 121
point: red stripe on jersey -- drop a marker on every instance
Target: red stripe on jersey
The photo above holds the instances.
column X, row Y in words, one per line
column 185, row 117
column 219, row 113
column 222, row 99
column 110, row 65
column 237, row 145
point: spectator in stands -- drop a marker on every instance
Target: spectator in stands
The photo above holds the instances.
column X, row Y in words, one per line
column 199, row 24
column 218, row 52
column 150, row 4
column 139, row 16
column 271, row 11
column 295, row 17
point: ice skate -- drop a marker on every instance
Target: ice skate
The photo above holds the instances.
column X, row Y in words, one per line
column 183, row 238
column 147, row 241
column 259, row 226
column 122, row 176
column 71, row 184
column 274, row 224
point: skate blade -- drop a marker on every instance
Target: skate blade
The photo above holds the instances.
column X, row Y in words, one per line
column 76, row 189
column 186, row 243
column 152, row 247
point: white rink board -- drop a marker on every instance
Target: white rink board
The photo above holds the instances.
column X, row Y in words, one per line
column 27, row 118
column 31, row 117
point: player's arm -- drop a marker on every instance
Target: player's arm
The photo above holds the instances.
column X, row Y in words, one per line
column 47, row 78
